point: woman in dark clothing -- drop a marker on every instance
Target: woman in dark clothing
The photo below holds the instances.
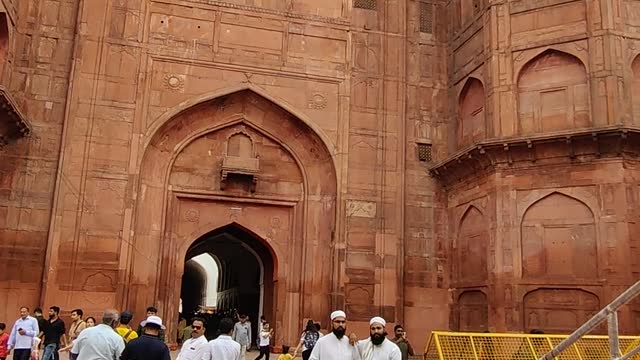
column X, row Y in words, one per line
column 308, row 340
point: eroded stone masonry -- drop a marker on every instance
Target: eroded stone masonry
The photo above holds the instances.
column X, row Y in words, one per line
column 447, row 164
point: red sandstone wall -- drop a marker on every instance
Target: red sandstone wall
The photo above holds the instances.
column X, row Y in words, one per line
column 382, row 86
column 37, row 73
column 545, row 223
column 425, row 276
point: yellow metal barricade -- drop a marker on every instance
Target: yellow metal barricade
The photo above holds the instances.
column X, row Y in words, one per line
column 492, row 346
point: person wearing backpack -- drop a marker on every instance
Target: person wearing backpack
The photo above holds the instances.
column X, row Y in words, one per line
column 308, row 340
column 124, row 329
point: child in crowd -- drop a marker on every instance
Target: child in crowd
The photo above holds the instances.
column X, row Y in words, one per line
column 35, row 353
column 4, row 340
column 285, row 354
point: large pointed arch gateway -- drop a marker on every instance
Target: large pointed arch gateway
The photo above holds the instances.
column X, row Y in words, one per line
column 239, row 161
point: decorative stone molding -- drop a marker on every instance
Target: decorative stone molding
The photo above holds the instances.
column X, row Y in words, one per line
column 13, row 124
column 173, row 82
column 287, row 14
column 192, row 215
column 551, row 148
column 317, row 101
column 366, row 209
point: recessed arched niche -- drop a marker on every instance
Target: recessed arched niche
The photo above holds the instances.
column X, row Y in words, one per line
column 472, row 246
column 559, row 239
column 471, row 120
column 553, row 94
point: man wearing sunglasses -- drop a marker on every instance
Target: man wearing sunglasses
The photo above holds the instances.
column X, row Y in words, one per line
column 196, row 348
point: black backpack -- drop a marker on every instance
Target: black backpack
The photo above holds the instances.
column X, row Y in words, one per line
column 310, row 339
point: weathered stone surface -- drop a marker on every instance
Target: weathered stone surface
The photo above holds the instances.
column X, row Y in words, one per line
column 447, row 164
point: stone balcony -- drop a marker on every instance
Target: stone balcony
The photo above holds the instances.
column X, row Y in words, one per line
column 13, row 124
column 243, row 166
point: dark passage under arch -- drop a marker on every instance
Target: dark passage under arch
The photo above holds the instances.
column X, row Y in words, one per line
column 245, row 277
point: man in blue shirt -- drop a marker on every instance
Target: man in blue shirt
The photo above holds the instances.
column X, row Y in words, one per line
column 99, row 342
column 22, row 334
column 149, row 346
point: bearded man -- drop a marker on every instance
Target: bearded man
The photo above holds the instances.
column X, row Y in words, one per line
column 377, row 346
column 335, row 346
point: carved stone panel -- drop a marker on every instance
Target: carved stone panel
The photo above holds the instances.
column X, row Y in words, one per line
column 558, row 311
column 474, row 314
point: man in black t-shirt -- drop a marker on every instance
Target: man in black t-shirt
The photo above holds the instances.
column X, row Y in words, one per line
column 54, row 330
column 42, row 322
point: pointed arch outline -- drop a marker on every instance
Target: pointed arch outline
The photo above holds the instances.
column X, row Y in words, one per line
column 463, row 91
column 635, row 57
column 467, row 210
column 536, row 198
column 190, row 103
column 528, row 57
column 463, row 84
column 228, row 123
column 580, row 197
column 211, row 227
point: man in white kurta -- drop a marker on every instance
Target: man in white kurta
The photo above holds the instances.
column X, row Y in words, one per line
column 224, row 348
column 377, row 346
column 197, row 347
column 335, row 345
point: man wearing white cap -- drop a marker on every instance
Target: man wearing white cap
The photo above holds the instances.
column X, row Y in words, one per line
column 335, row 346
column 377, row 346
column 149, row 346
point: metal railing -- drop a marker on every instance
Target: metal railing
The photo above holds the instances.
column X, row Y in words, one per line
column 444, row 345
column 610, row 314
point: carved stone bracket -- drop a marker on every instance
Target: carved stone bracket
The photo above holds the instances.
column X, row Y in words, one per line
column 13, row 124
column 247, row 167
column 558, row 147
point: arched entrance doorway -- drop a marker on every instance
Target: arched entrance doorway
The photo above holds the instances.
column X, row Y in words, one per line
column 240, row 159
column 245, row 282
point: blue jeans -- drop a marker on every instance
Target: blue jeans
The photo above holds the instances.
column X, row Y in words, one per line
column 50, row 352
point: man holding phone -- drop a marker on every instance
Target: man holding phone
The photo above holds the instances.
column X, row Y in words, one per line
column 403, row 343
column 22, row 334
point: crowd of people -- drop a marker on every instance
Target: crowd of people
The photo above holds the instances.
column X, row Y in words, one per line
column 113, row 338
